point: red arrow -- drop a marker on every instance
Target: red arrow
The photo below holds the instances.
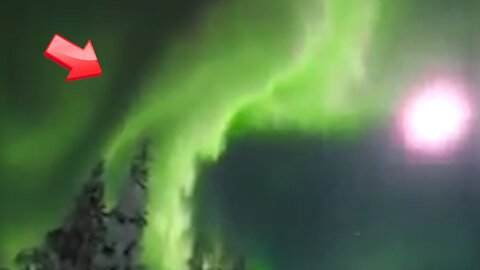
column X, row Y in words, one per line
column 82, row 63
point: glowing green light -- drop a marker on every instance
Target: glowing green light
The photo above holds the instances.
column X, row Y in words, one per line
column 271, row 64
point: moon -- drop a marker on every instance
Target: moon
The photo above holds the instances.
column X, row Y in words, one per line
column 436, row 117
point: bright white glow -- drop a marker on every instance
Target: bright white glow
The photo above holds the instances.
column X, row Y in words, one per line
column 436, row 117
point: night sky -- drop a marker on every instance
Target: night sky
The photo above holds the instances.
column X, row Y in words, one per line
column 314, row 204
column 305, row 189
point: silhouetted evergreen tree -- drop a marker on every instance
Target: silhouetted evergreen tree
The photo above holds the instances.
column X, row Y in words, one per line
column 89, row 238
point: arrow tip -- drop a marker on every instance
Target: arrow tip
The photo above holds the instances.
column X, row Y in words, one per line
column 88, row 69
column 87, row 66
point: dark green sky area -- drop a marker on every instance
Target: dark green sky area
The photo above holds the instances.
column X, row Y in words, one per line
column 315, row 205
column 304, row 202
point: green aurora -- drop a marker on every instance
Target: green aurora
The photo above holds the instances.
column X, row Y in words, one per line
column 246, row 66
column 282, row 65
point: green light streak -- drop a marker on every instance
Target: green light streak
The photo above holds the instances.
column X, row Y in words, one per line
column 251, row 65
